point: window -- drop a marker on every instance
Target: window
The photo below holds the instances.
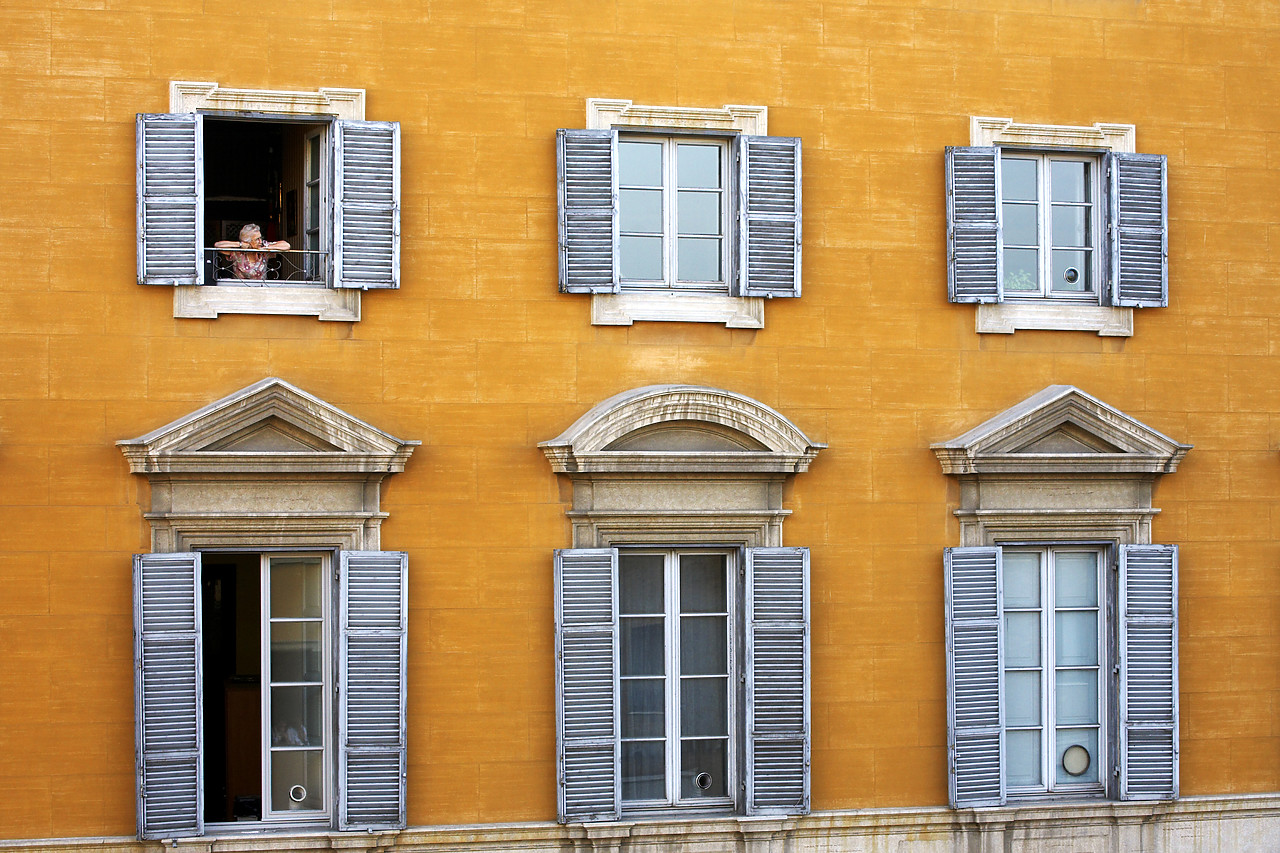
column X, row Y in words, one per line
column 1056, row 227
column 678, row 213
column 270, row 629
column 1061, row 615
column 682, row 629
column 305, row 168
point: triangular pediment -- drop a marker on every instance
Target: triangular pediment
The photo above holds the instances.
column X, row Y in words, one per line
column 270, row 424
column 1061, row 429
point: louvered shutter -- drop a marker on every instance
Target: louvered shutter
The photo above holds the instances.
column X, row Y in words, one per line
column 587, row 684
column 373, row 620
column 975, row 676
column 769, row 216
column 974, row 263
column 588, row 210
column 1137, row 230
column 366, row 204
column 167, row 686
column 1148, row 672
column 170, row 198
column 777, row 681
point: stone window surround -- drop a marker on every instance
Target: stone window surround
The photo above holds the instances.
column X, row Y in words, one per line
column 1007, row 317
column 622, row 309
column 208, row 301
column 679, row 496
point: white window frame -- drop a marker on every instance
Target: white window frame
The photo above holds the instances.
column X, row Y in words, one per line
column 672, row 675
column 1053, row 313
column 675, row 304
column 326, row 303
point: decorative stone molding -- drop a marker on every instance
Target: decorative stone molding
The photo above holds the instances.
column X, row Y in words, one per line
column 267, row 466
column 191, row 97
column 1059, row 466
column 679, row 463
column 623, row 309
column 984, row 130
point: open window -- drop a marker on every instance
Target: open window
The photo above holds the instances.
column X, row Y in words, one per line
column 270, row 629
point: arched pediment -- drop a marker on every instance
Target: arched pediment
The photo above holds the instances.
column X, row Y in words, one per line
column 681, row 428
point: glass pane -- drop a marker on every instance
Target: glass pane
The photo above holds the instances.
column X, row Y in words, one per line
column 295, row 651
column 1077, row 636
column 640, row 210
column 1066, row 738
column 296, row 716
column 1071, row 271
column 1070, row 226
column 1021, row 270
column 640, row 164
column 1021, row 639
column 640, row 258
column 297, row 779
column 698, row 259
column 1019, row 224
column 1077, row 696
column 704, row 707
column 1022, row 759
column 703, row 768
column 1022, row 698
column 1017, row 179
column 640, row 584
column 702, row 588
column 1069, row 180
column 296, row 587
column 703, row 645
column 641, row 646
column 699, row 213
column 313, row 207
column 644, row 770
column 698, row 166
column 313, row 158
column 644, row 707
column 1021, row 579
column 1076, row 579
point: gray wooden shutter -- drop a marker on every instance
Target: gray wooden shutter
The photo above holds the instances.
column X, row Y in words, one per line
column 373, row 619
column 1148, row 672
column 167, row 694
column 170, row 198
column 975, row 676
column 588, row 210
column 777, row 681
column 587, row 684
column 366, row 204
column 974, row 263
column 1137, row 230
column 769, row 216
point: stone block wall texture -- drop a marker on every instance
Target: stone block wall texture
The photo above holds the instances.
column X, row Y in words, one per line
column 480, row 358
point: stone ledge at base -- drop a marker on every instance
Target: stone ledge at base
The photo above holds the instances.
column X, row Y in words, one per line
column 1240, row 824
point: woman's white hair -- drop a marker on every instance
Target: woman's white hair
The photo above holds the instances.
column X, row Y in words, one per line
column 247, row 230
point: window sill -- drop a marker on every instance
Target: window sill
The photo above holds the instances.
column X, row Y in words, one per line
column 623, row 309
column 1005, row 318
column 208, row 301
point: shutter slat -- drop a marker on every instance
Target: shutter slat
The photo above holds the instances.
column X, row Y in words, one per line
column 588, row 211
column 769, row 216
column 1138, row 230
column 367, row 204
column 170, row 198
column 777, row 673
column 373, row 623
column 1148, row 672
column 975, row 676
column 973, row 233
column 587, row 684
column 167, row 658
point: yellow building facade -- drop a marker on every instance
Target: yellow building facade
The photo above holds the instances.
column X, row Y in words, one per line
column 854, row 312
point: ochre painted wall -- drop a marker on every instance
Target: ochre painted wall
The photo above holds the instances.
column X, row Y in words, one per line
column 480, row 358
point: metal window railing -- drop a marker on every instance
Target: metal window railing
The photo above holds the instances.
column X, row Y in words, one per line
column 259, row 267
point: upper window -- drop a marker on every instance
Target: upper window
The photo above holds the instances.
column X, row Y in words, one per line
column 291, row 207
column 1056, row 227
column 678, row 214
